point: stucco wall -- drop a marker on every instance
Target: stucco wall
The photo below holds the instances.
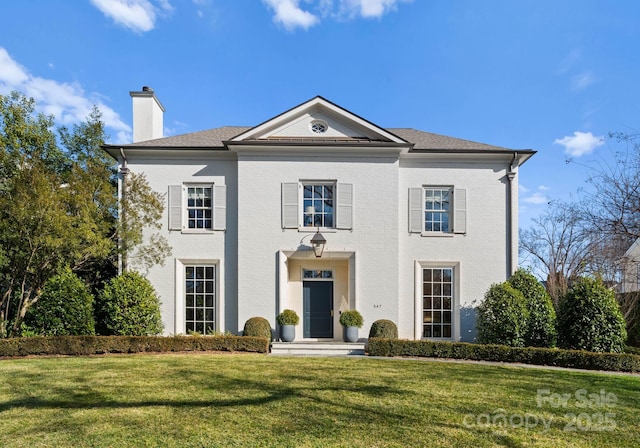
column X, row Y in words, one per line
column 379, row 278
column 374, row 237
column 216, row 246
column 480, row 255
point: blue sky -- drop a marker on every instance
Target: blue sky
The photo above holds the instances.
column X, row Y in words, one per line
column 554, row 76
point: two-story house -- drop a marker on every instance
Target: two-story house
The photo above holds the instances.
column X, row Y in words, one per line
column 416, row 226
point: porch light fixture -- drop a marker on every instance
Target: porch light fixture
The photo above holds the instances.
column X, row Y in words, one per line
column 318, row 242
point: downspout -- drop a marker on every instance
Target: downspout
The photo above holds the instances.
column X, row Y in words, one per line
column 512, row 220
column 122, row 190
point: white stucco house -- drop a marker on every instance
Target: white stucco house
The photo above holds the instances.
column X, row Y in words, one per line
column 631, row 268
column 417, row 225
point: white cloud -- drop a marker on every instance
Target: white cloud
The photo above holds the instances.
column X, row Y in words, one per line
column 370, row 8
column 544, row 188
column 582, row 80
column 570, row 61
column 136, row 15
column 66, row 101
column 289, row 14
column 536, row 198
column 522, row 188
column 580, row 144
column 12, row 72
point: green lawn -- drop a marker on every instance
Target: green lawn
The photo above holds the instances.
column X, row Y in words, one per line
column 209, row 400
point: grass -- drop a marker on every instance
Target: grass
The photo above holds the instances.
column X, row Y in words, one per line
column 209, row 400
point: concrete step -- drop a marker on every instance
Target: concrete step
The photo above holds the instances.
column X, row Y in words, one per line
column 317, row 348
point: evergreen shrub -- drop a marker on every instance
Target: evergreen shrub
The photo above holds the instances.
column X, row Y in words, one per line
column 589, row 318
column 128, row 306
column 502, row 316
column 64, row 308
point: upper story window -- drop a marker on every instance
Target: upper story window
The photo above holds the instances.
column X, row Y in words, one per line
column 199, row 211
column 310, row 204
column 197, row 207
column 437, row 210
column 318, row 205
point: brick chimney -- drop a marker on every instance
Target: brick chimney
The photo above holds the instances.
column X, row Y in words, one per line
column 147, row 115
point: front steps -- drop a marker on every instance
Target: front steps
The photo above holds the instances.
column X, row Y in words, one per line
column 331, row 348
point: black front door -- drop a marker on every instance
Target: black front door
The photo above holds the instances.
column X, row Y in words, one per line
column 318, row 309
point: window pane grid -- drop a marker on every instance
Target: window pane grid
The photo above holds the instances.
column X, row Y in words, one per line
column 437, row 202
column 318, row 205
column 199, row 207
column 437, row 302
column 200, row 299
column 317, row 273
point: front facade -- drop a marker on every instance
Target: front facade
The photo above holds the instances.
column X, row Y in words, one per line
column 631, row 268
column 417, row 225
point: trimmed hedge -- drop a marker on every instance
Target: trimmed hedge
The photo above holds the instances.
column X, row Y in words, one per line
column 578, row 359
column 97, row 345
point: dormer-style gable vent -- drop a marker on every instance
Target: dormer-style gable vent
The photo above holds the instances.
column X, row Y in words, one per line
column 318, row 120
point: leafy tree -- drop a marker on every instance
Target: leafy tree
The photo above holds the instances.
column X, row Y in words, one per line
column 589, row 318
column 64, row 308
column 541, row 323
column 58, row 207
column 502, row 316
column 128, row 305
column 141, row 210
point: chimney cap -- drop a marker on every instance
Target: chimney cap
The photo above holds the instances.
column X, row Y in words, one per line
column 147, row 89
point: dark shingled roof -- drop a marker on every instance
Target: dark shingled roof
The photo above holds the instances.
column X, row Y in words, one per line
column 215, row 138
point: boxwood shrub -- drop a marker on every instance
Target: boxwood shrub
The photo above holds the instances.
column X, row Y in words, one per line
column 579, row 359
column 92, row 345
column 383, row 328
column 257, row 327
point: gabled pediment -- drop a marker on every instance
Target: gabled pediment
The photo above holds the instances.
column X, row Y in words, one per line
column 318, row 120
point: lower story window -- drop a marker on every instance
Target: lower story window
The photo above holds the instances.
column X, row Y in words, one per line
column 437, row 302
column 200, row 299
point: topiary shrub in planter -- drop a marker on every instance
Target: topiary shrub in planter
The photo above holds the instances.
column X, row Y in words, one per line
column 383, row 328
column 502, row 316
column 65, row 308
column 258, row 327
column 351, row 321
column 541, row 324
column 589, row 318
column 128, row 306
column 288, row 319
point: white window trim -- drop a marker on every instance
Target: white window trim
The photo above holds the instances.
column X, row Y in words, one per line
column 218, row 207
column 343, row 218
column 179, row 311
column 455, row 307
column 185, row 208
column 457, row 211
column 450, row 189
column 301, row 210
